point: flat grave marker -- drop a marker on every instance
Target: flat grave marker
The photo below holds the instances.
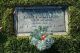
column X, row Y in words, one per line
column 27, row 19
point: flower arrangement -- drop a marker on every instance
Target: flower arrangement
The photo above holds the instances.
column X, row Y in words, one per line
column 41, row 39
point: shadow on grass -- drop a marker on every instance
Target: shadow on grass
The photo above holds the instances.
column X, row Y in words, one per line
column 3, row 38
column 50, row 50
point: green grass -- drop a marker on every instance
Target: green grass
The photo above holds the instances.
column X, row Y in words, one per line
column 0, row 23
column 63, row 44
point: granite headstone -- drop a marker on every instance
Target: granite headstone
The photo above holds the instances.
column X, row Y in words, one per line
column 27, row 19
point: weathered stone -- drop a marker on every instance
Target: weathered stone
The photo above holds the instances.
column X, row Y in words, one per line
column 29, row 18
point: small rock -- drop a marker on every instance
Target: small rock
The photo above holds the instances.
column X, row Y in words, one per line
column 0, row 29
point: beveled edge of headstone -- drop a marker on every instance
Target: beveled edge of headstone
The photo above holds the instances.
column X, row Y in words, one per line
column 23, row 34
column 55, row 33
column 66, row 21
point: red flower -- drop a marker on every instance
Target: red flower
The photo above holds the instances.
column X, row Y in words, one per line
column 43, row 37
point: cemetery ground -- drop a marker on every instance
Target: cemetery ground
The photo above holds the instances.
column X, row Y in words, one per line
column 10, row 43
column 63, row 44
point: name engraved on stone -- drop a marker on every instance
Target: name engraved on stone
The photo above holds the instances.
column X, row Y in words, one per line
column 33, row 17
